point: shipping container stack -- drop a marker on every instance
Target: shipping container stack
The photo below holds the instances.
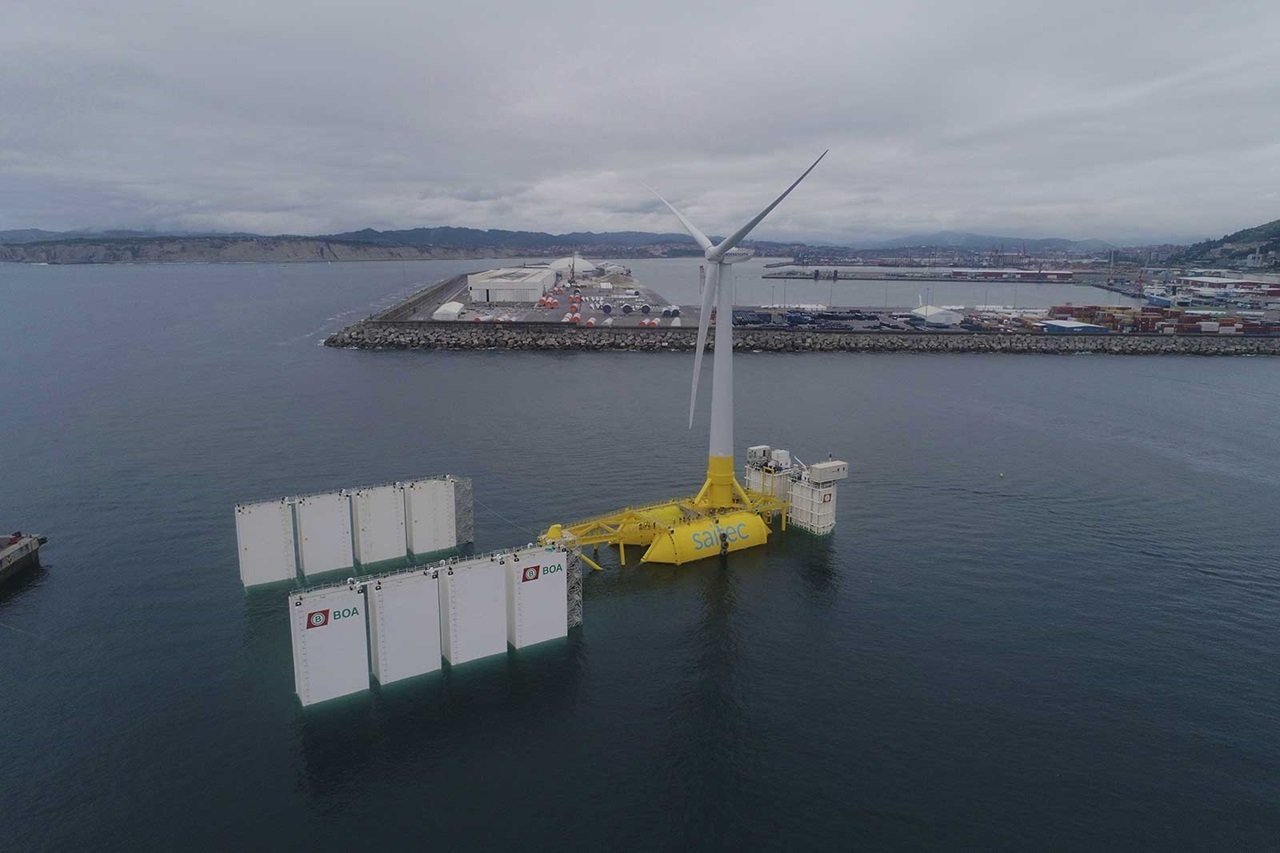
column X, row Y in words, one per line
column 1153, row 319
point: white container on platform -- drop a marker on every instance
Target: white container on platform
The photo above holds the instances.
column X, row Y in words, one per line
column 770, row 482
column 813, row 506
column 828, row 472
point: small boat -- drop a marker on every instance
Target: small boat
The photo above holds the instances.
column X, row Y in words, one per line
column 18, row 552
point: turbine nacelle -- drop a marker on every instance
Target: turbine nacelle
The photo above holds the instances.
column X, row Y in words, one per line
column 734, row 256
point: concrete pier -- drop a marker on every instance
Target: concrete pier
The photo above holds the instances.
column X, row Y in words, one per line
column 384, row 334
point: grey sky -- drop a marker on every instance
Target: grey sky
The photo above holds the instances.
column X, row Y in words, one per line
column 1121, row 120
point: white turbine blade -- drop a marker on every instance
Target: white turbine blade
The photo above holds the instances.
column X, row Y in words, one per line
column 704, row 325
column 703, row 241
column 736, row 237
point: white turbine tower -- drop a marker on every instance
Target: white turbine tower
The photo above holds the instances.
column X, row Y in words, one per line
column 721, row 488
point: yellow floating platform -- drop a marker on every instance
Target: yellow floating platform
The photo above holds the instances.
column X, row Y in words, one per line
column 707, row 537
column 678, row 531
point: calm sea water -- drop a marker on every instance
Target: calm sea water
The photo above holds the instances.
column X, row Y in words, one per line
column 1048, row 617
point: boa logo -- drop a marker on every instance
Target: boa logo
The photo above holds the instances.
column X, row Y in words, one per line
column 320, row 618
column 531, row 573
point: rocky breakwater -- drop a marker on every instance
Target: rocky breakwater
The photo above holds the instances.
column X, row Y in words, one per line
column 372, row 334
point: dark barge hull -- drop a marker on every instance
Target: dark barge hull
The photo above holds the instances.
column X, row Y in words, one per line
column 19, row 557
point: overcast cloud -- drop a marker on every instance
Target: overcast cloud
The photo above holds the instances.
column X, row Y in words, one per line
column 1121, row 120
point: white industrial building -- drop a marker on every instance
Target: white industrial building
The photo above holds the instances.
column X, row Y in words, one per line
column 525, row 284
column 932, row 315
column 448, row 311
column 576, row 264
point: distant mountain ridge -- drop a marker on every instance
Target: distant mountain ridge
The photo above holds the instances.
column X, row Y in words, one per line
column 475, row 238
column 453, row 237
column 29, row 235
column 40, row 246
column 36, row 246
column 464, row 238
column 450, row 237
column 224, row 249
column 39, row 235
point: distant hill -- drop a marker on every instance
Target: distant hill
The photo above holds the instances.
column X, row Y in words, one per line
column 38, row 235
column 28, row 235
column 221, row 249
column 35, row 246
column 1261, row 240
column 986, row 242
column 604, row 242
column 467, row 238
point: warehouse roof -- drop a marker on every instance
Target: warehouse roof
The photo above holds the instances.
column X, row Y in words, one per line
column 512, row 275
column 577, row 262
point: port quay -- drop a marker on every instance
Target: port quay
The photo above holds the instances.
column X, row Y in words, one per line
column 416, row 323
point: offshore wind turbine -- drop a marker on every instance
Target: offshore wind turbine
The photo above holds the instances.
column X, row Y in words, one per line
column 723, row 516
column 721, row 488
